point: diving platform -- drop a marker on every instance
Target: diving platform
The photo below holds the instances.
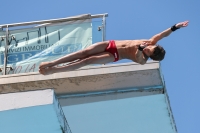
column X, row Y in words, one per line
column 142, row 78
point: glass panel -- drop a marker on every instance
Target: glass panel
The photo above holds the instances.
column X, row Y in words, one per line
column 96, row 36
column 29, row 47
column 96, row 33
column 118, row 113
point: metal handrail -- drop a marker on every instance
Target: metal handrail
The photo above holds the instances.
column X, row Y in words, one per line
column 79, row 17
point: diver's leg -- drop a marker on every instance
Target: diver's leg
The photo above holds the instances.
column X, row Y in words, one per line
column 101, row 58
column 91, row 50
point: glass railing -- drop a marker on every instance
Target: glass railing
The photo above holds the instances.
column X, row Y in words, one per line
column 28, row 47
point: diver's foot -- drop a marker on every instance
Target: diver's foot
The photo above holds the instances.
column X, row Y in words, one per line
column 44, row 65
column 46, row 71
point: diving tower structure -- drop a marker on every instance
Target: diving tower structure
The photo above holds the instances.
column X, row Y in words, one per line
column 124, row 97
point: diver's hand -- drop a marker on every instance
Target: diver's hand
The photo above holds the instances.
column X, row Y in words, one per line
column 144, row 44
column 182, row 24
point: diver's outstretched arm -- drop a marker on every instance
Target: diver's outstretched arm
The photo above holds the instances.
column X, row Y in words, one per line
column 167, row 32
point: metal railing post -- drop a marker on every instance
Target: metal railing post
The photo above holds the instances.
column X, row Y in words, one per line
column 104, row 28
column 6, row 51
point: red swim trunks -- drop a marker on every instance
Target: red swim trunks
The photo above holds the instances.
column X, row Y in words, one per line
column 113, row 50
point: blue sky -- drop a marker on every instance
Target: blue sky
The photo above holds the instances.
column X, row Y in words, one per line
column 131, row 19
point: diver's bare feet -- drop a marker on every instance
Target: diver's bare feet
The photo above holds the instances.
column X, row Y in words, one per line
column 47, row 71
column 44, row 65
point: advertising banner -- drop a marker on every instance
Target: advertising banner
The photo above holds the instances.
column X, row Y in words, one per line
column 29, row 47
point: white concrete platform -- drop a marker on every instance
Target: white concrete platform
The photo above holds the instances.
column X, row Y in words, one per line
column 90, row 79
